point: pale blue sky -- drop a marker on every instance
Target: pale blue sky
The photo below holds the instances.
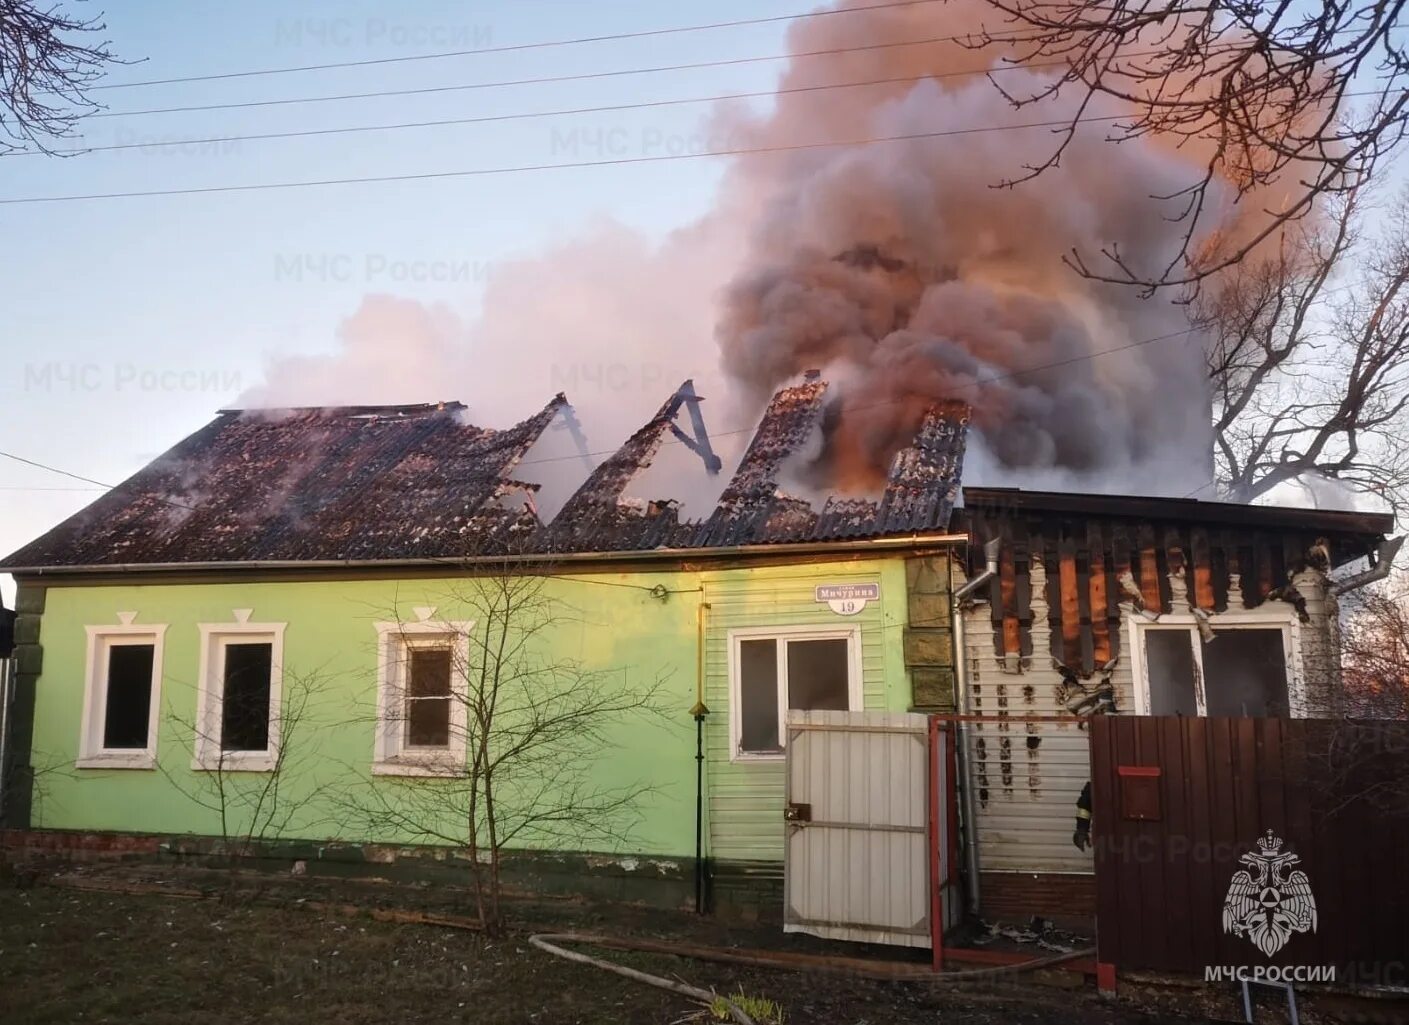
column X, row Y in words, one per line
column 128, row 322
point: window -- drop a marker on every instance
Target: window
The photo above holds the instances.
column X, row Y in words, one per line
column 121, row 694
column 421, row 692
column 241, row 683
column 772, row 671
column 428, row 698
column 1242, row 669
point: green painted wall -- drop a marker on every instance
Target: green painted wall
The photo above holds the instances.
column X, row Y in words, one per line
column 746, row 796
column 331, row 633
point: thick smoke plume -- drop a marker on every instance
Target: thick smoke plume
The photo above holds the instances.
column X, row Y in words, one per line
column 899, row 269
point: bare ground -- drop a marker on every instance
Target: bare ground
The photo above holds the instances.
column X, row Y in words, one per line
column 262, row 955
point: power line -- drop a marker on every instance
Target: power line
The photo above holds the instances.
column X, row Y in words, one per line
column 18, row 487
column 518, row 47
column 518, row 116
column 521, row 168
column 612, row 162
column 90, row 480
column 540, row 80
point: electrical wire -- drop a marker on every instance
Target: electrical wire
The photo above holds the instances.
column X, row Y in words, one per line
column 1059, row 124
column 541, row 80
column 519, row 47
column 522, row 168
column 89, row 480
column 516, row 116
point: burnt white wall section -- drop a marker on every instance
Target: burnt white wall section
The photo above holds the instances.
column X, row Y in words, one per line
column 1026, row 777
column 857, row 862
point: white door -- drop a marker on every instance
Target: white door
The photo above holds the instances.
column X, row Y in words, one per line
column 857, row 857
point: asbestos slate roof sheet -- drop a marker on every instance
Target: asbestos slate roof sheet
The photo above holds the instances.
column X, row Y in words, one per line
column 316, row 484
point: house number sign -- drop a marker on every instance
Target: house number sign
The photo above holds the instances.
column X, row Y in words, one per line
column 847, row 599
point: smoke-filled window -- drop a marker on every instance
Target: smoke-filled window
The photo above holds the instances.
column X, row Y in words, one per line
column 772, row 674
column 1221, row 671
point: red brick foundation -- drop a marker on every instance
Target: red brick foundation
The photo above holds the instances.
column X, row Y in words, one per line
column 1065, row 900
column 76, row 846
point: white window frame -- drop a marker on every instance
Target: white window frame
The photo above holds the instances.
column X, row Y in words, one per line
column 91, row 753
column 215, row 637
column 1279, row 617
column 391, row 755
column 854, row 690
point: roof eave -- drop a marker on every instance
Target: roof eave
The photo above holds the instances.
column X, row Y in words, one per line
column 1017, row 500
column 886, row 543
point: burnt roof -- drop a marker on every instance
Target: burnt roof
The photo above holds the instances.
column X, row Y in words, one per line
column 1018, row 502
column 392, row 483
column 388, row 483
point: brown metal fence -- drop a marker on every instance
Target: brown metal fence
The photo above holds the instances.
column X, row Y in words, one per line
column 1178, row 803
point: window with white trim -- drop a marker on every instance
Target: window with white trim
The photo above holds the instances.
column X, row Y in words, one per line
column 1237, row 668
column 421, row 695
column 240, row 702
column 774, row 671
column 121, row 694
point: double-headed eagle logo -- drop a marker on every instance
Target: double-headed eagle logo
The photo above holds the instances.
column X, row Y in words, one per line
column 1270, row 903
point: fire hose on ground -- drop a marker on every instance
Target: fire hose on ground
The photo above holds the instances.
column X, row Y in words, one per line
column 549, row 943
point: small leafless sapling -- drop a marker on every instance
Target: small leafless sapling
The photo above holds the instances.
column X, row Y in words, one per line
column 505, row 730
column 255, row 796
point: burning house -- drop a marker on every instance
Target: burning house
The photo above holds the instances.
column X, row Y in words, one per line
column 270, row 545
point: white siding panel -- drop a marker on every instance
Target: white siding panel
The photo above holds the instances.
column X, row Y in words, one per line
column 859, row 869
column 1027, row 776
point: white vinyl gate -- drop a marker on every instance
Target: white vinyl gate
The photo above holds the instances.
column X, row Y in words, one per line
column 857, row 856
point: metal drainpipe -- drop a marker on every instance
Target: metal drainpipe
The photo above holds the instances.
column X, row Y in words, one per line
column 699, row 711
column 961, row 677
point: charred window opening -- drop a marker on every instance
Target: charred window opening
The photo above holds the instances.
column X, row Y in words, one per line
column 1245, row 673
column 245, row 703
column 781, row 673
column 127, row 703
column 428, row 698
column 1225, row 672
column 1169, row 661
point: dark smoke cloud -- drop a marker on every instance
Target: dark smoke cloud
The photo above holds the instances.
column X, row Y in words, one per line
column 899, row 269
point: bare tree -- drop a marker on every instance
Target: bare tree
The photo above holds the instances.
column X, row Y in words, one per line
column 46, row 71
column 255, row 803
column 1375, row 651
column 515, row 728
column 1258, row 92
column 1308, row 357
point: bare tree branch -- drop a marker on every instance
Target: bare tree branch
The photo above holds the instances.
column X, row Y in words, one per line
column 1257, row 92
column 45, row 73
column 1308, row 357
